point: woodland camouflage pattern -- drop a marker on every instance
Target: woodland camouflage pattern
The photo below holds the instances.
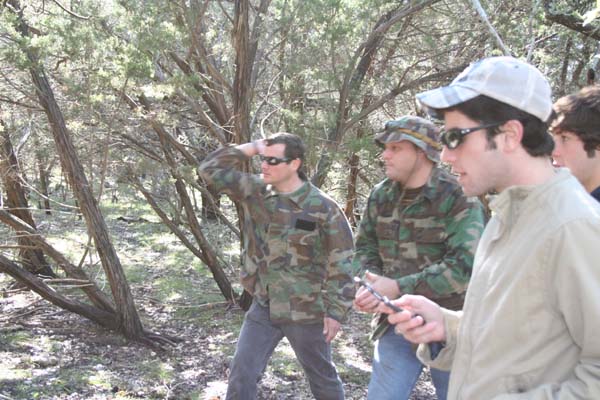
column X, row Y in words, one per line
column 420, row 131
column 428, row 246
column 298, row 247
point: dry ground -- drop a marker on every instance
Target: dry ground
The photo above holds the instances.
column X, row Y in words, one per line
column 48, row 353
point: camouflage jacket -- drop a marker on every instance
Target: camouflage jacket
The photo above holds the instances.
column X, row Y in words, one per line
column 427, row 246
column 297, row 246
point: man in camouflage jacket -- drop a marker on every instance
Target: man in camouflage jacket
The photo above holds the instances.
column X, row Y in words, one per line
column 418, row 234
column 297, row 259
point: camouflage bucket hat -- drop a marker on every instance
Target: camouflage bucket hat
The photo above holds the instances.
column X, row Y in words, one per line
column 419, row 131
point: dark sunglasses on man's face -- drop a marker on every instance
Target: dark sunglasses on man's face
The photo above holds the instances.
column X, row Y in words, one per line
column 452, row 138
column 275, row 160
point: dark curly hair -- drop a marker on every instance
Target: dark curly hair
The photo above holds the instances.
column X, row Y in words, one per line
column 579, row 113
column 536, row 140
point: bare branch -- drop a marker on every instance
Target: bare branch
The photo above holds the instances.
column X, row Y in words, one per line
column 94, row 293
column 493, row 31
column 70, row 12
column 571, row 21
column 533, row 42
column 401, row 88
column 8, row 100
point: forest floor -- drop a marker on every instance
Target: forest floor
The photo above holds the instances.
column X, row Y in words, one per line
column 49, row 353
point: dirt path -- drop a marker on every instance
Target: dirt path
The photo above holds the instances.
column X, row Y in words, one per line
column 47, row 353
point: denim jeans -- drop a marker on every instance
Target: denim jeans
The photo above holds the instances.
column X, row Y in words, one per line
column 256, row 343
column 396, row 370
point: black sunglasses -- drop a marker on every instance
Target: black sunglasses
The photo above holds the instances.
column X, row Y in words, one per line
column 452, row 138
column 275, row 160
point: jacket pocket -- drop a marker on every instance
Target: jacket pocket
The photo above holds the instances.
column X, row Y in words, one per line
column 303, row 247
column 306, row 301
column 430, row 235
column 516, row 383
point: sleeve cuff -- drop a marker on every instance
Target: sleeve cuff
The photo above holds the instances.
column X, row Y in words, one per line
column 444, row 358
column 339, row 318
column 406, row 284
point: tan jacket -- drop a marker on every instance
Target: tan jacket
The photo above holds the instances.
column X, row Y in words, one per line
column 530, row 328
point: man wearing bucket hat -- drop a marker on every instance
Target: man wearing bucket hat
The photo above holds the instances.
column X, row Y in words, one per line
column 418, row 235
column 528, row 329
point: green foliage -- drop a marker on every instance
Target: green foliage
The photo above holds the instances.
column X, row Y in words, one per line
column 592, row 15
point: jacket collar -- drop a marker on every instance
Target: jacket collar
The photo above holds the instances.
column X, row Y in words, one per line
column 510, row 203
column 297, row 197
column 431, row 187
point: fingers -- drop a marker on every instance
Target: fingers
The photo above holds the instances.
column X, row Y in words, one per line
column 364, row 301
column 260, row 146
column 330, row 328
column 326, row 333
column 416, row 331
column 385, row 309
column 330, row 335
column 421, row 321
column 406, row 319
column 371, row 277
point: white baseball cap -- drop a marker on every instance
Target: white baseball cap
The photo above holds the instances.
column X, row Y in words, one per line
column 505, row 79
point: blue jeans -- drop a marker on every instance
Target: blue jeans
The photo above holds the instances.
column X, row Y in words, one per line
column 396, row 370
column 259, row 337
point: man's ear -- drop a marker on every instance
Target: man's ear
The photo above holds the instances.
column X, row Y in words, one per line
column 296, row 164
column 512, row 135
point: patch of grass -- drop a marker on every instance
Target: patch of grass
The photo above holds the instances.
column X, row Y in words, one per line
column 157, row 371
column 131, row 204
column 14, row 339
column 100, row 379
column 136, row 273
column 286, row 367
column 175, row 288
column 71, row 379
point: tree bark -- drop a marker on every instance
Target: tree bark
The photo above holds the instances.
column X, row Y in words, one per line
column 565, row 68
column 245, row 53
column 209, row 257
column 32, row 258
column 34, row 283
column 43, row 176
column 96, row 296
column 241, row 84
column 127, row 318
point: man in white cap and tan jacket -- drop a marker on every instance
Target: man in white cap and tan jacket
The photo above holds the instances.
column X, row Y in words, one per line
column 530, row 322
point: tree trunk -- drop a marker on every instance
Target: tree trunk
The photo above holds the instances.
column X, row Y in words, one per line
column 128, row 321
column 209, row 256
column 34, row 283
column 351, row 189
column 44, row 180
column 245, row 52
column 210, row 209
column 96, row 296
column 243, row 72
column 31, row 257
